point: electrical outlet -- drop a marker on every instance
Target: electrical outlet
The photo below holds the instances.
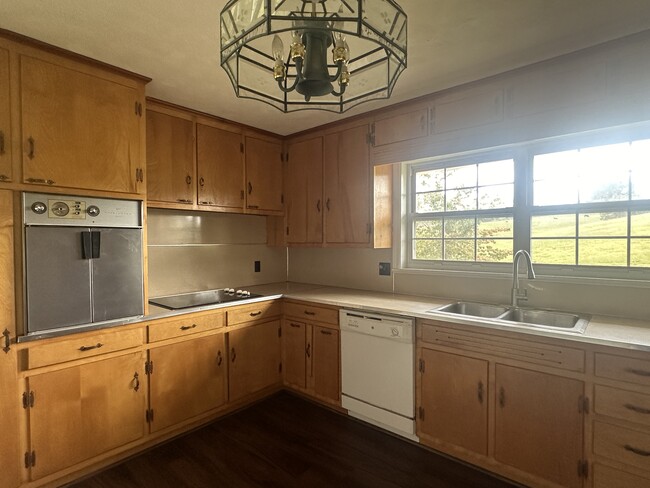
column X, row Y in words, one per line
column 258, row 266
column 384, row 269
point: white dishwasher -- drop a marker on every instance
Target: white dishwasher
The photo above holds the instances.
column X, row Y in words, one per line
column 377, row 370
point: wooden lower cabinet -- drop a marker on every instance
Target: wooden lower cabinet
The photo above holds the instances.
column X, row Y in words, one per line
column 83, row 411
column 539, row 424
column 254, row 359
column 294, row 353
column 606, row 477
column 10, row 455
column 186, row 379
column 454, row 400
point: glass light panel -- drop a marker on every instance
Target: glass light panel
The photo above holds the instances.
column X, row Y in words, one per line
column 430, row 202
column 494, row 250
column 604, row 224
column 430, row 180
column 428, row 229
column 496, row 172
column 562, row 225
column 553, row 251
column 427, row 249
column 459, row 250
column 464, row 199
column 498, row 196
column 461, row 176
column 640, row 224
column 455, row 228
column 494, row 227
column 640, row 253
column 602, row 252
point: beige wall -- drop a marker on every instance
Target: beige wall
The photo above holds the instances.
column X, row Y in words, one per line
column 191, row 251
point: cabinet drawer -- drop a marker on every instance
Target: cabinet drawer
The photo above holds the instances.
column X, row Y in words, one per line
column 623, row 369
column 622, row 404
column 189, row 324
column 83, row 347
column 606, row 477
column 311, row 312
column 620, row 444
column 254, row 311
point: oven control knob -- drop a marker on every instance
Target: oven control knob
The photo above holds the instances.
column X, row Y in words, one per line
column 394, row 332
column 93, row 211
column 39, row 208
column 60, row 209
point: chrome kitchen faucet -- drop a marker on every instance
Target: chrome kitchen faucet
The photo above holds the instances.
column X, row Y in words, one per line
column 517, row 293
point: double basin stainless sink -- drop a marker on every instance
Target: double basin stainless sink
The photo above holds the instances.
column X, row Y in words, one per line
column 526, row 317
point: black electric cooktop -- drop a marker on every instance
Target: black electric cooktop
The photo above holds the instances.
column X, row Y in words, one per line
column 210, row 297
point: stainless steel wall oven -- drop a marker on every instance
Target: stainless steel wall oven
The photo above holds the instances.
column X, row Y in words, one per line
column 82, row 262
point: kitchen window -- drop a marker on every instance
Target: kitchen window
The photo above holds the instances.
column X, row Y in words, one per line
column 582, row 210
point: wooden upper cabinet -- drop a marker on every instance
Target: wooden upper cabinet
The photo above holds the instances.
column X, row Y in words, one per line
column 403, row 125
column 304, row 192
column 264, row 176
column 347, row 188
column 80, row 129
column 538, row 424
column 6, row 170
column 220, row 168
column 170, row 159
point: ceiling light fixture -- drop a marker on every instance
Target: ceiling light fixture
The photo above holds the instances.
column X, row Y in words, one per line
column 367, row 37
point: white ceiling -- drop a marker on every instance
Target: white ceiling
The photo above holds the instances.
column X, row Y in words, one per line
column 176, row 43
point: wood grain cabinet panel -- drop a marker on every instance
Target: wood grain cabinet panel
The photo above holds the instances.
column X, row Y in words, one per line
column 220, row 165
column 454, row 400
column 84, row 411
column 7, row 291
column 294, row 347
column 622, row 368
column 264, row 176
column 621, row 404
column 170, row 159
column 399, row 127
column 538, row 424
column 11, row 457
column 6, row 170
column 187, row 379
column 325, row 364
column 311, row 313
column 606, row 477
column 253, row 312
column 185, row 325
column 79, row 130
column 621, row 444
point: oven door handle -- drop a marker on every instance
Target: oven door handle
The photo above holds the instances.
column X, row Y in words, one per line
column 86, row 246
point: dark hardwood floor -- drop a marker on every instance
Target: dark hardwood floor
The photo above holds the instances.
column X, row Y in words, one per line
column 288, row 442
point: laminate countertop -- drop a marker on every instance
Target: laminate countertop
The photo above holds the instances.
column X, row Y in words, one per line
column 602, row 330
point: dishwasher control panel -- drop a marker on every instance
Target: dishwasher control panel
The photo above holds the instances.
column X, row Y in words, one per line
column 386, row 326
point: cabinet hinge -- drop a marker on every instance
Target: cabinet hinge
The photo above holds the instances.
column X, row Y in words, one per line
column 583, row 469
column 7, row 341
column 421, row 365
column 583, row 404
column 148, row 367
column 149, row 415
column 28, row 399
column 421, row 413
column 30, row 459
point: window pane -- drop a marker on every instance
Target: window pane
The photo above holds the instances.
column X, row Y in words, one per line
column 461, row 177
column 500, row 196
column 640, row 224
column 555, row 193
column 604, row 173
column 604, row 224
column 494, row 250
column 459, row 250
column 431, row 180
column 553, row 251
column 428, row 228
column 464, row 199
column 602, row 252
column 430, row 202
column 496, row 172
column 494, row 227
column 555, row 178
column 455, row 228
column 640, row 252
column 640, row 151
column 428, row 249
column 553, row 225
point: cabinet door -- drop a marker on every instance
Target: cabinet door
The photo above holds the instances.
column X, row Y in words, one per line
column 86, row 410
column 5, row 119
column 325, row 363
column 254, row 359
column 220, row 168
column 294, row 344
column 78, row 130
column 304, row 191
column 538, row 424
column 188, row 379
column 264, row 175
column 453, row 400
column 10, row 452
column 347, row 187
column 7, row 292
column 403, row 125
column 170, row 159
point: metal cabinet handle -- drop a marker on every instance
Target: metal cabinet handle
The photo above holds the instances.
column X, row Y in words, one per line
column 219, row 358
column 188, row 327
column 318, row 205
column 2, row 142
column 136, row 381
column 31, row 144
column 502, row 397
column 206, row 203
column 307, row 312
column 325, row 332
column 255, row 314
column 7, row 346
column 638, row 372
column 233, row 355
column 634, row 408
column 327, row 204
column 480, row 392
column 188, row 179
column 4, row 178
column 308, row 350
column 250, row 188
column 636, row 450
column 183, row 200
column 88, row 348
column 40, row 180
column 201, row 181
column 297, row 326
